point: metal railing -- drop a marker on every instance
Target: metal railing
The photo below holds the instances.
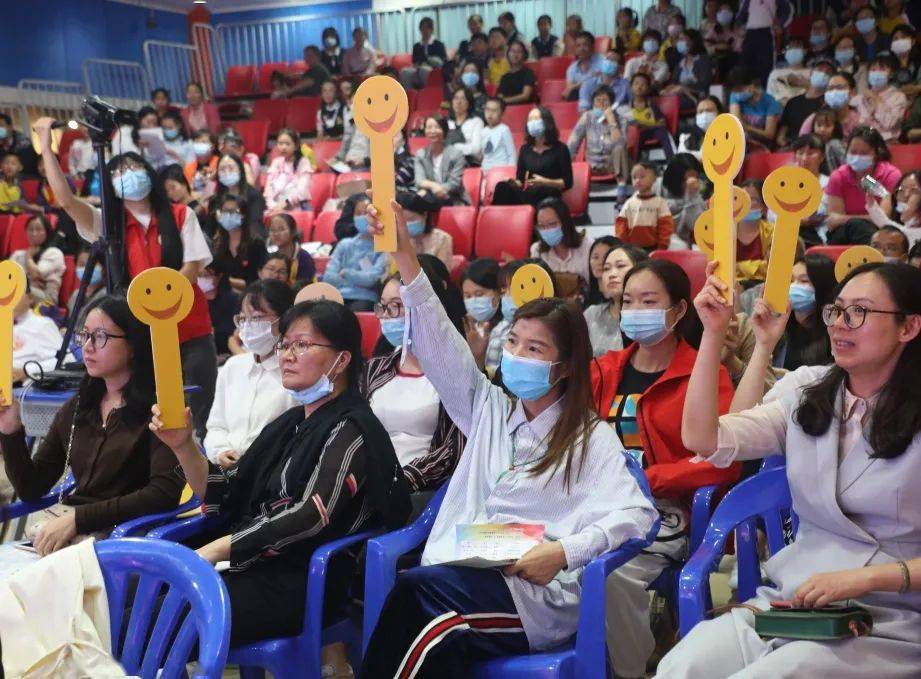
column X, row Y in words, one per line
column 56, row 98
column 171, row 65
column 209, row 67
column 126, row 81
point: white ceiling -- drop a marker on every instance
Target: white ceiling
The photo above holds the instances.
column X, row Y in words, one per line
column 218, row 6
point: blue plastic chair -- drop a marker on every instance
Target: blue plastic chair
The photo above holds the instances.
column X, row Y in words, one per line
column 586, row 657
column 297, row 656
column 764, row 497
column 20, row 508
column 195, row 608
column 142, row 525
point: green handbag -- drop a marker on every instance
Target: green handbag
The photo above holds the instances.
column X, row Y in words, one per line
column 814, row 624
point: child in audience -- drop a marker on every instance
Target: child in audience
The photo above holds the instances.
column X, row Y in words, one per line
column 42, row 261
column 645, row 117
column 287, row 181
column 249, row 394
column 121, row 470
column 518, row 85
column 498, row 144
column 427, row 240
column 285, row 238
column 11, row 198
column 809, row 153
column 603, row 318
column 201, row 173
column 882, row 106
column 599, row 128
column 497, row 66
column 758, row 110
column 36, row 340
column 753, row 238
column 724, row 40
column 853, row 559
column 545, row 44
column 356, row 269
column 223, row 304
column 560, row 245
column 520, row 442
column 626, row 36
column 683, row 186
column 242, row 253
column 826, row 127
column 331, row 114
column 331, row 56
column 645, row 220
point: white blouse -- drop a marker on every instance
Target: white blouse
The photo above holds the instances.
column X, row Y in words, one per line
column 407, row 406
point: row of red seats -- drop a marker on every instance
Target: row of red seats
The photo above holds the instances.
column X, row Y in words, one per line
column 906, row 157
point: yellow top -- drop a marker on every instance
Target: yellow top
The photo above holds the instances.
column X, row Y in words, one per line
column 9, row 193
column 495, row 69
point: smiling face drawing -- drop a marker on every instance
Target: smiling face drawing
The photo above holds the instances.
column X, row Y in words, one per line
column 854, row 257
column 792, row 191
column 723, row 148
column 160, row 296
column 12, row 284
column 380, row 107
column 530, row 282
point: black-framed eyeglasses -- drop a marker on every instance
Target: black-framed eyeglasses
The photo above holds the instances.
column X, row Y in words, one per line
column 300, row 347
column 98, row 337
column 389, row 310
column 855, row 315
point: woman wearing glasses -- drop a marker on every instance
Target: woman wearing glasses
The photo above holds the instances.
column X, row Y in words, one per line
column 249, row 393
column 850, row 434
column 121, row 469
column 156, row 233
column 322, row 470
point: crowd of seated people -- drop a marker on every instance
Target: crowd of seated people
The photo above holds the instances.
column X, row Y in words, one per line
column 532, row 397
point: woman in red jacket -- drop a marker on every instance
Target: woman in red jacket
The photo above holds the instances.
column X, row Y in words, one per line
column 641, row 391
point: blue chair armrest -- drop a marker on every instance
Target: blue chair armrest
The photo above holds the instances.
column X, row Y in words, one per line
column 21, row 508
column 701, row 507
column 381, row 563
column 187, row 528
column 140, row 526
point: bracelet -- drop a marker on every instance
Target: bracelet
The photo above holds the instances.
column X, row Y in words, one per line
column 906, row 577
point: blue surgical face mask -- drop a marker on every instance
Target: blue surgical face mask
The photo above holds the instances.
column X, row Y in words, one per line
column 95, row 278
column 526, row 378
column 170, row 133
column 865, row 25
column 4, row 133
column 753, row 215
column 598, row 113
column 724, row 17
column 802, row 297
column 819, row 79
column 551, row 237
column 682, row 47
column 650, row 46
column 415, row 227
column 817, row 39
column 844, row 55
column 705, row 119
column 320, row 389
column 361, row 223
column 201, row 148
column 231, row 221
column 229, row 179
column 644, row 326
column 794, row 55
column 608, row 67
column 392, row 329
column 536, row 128
column 877, row 79
column 132, row 185
column 837, row 98
column 470, row 79
column 901, row 207
column 481, row 308
column 508, row 308
column 859, row 163
column 740, row 97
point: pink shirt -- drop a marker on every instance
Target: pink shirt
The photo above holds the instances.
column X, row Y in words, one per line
column 285, row 184
column 843, row 184
column 851, row 121
column 886, row 115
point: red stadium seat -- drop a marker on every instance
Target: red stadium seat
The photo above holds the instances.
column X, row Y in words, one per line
column 460, row 222
column 693, row 262
column 322, row 185
column 906, row 157
column 67, row 138
column 320, row 263
column 30, row 190
column 69, row 281
column 418, row 115
column 518, row 139
column 566, row 114
column 401, row 61
column 353, row 177
column 491, row 89
column 416, row 144
column 264, row 79
column 5, row 223
column 324, row 225
column 458, row 264
column 576, row 198
column 756, row 166
column 304, row 221
column 273, row 110
column 16, row 234
column 429, row 99
column 532, row 66
column 436, row 78
column 830, row 251
column 473, row 182
column 370, row 331
column 552, row 68
column 297, row 68
column 493, row 177
column 504, row 232
column 779, row 159
column 255, row 135
column 240, row 80
column 302, row 114
column 800, row 26
column 551, row 91
column 602, row 43
column 324, row 151
column 670, row 105
column 517, row 116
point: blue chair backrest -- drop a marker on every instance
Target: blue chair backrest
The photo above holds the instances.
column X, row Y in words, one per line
column 173, row 598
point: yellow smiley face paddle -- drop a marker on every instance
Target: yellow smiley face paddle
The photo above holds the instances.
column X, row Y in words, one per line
column 12, row 288
column 530, row 282
column 856, row 256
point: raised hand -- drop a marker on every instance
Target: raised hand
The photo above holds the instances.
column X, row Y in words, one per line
column 174, row 438
column 768, row 326
column 711, row 305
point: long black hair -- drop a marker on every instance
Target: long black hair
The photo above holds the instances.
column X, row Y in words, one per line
column 594, row 291
column 571, row 237
column 812, row 344
column 273, row 295
column 139, row 392
column 338, row 324
column 49, row 233
column 170, row 242
column 551, row 131
column 221, row 235
column 678, row 287
column 243, row 185
column 896, row 418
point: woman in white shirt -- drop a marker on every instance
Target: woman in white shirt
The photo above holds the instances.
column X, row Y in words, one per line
column 470, row 126
column 534, row 459
column 560, row 244
column 249, row 394
column 42, row 262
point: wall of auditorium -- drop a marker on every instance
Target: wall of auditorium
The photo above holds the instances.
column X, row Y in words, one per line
column 49, row 39
column 308, row 9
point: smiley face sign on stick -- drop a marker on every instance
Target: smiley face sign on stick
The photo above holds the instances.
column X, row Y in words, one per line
column 703, row 227
column 12, row 288
column 530, row 282
column 161, row 297
column 380, row 109
column 854, row 257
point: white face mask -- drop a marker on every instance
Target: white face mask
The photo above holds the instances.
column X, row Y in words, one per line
column 258, row 337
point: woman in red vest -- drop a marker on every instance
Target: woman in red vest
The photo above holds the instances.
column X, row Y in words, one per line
column 641, row 391
column 157, row 233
